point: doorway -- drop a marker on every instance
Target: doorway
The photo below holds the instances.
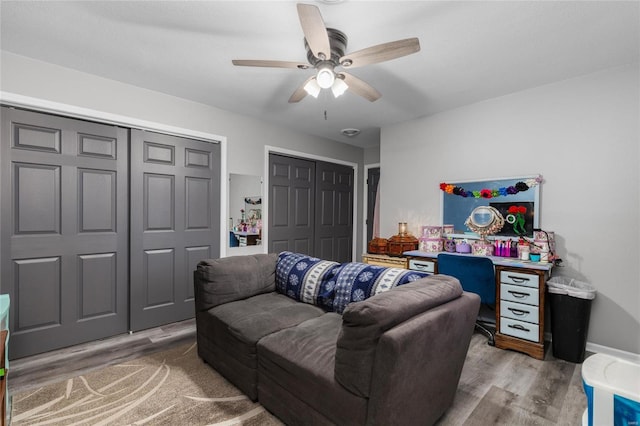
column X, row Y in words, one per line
column 373, row 179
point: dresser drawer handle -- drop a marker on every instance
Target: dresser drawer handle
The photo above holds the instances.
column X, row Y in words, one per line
column 518, row 294
column 421, row 265
column 519, row 327
column 519, row 311
column 519, row 280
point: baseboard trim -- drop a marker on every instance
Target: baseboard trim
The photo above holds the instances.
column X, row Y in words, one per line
column 629, row 356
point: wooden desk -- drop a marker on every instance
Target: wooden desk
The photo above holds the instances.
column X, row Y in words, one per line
column 520, row 299
column 247, row 238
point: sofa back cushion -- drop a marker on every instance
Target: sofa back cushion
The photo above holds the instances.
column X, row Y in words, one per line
column 364, row 322
column 219, row 281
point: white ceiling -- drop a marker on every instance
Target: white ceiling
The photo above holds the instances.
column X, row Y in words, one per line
column 471, row 51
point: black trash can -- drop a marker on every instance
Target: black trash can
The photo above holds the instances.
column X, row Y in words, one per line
column 570, row 311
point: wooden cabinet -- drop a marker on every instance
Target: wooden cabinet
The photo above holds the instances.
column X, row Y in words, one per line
column 520, row 310
column 384, row 260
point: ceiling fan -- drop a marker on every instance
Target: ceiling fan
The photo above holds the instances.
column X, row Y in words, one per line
column 326, row 52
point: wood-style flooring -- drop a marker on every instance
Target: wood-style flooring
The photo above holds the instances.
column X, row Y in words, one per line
column 497, row 387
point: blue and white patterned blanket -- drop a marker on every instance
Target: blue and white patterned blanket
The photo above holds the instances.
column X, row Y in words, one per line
column 332, row 285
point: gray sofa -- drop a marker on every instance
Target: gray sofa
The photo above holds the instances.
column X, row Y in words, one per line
column 393, row 358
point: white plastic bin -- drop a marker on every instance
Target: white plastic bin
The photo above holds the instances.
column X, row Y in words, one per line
column 612, row 387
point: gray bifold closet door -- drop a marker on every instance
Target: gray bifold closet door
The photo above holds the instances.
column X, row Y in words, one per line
column 333, row 234
column 175, row 222
column 64, row 230
column 311, row 207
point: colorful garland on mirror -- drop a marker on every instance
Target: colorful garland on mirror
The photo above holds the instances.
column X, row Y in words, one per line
column 492, row 193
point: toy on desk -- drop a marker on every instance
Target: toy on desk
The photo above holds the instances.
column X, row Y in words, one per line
column 463, row 247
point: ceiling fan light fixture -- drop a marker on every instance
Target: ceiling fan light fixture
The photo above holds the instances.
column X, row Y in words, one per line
column 339, row 87
column 325, row 77
column 312, row 88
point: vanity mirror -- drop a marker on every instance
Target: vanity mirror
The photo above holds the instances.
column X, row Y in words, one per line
column 245, row 210
column 517, row 199
column 485, row 220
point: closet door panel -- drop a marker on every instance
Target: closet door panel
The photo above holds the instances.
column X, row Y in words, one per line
column 310, row 207
column 291, row 204
column 334, row 210
column 64, row 233
column 175, row 216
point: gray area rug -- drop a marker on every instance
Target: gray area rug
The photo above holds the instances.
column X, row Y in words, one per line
column 173, row 387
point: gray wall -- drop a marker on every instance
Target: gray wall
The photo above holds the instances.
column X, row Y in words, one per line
column 582, row 136
column 246, row 136
column 372, row 155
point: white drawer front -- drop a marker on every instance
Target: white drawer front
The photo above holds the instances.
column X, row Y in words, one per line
column 519, row 294
column 519, row 311
column 520, row 329
column 519, row 278
column 422, row 265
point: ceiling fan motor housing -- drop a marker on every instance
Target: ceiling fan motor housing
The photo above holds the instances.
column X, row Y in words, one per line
column 338, row 43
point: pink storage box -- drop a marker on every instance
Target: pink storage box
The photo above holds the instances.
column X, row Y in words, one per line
column 430, row 245
column 431, row 232
column 482, row 249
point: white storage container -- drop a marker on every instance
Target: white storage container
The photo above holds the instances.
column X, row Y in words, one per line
column 612, row 387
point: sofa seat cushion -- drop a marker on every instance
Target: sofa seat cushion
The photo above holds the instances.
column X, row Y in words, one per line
column 300, row 360
column 237, row 326
column 364, row 322
column 244, row 322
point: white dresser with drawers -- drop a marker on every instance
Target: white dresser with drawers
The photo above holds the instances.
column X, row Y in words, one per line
column 520, row 300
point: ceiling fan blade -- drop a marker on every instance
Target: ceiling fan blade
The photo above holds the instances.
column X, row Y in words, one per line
column 314, row 30
column 381, row 52
column 269, row 64
column 360, row 88
column 300, row 93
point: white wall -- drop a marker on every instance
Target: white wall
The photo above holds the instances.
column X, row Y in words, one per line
column 582, row 135
column 246, row 136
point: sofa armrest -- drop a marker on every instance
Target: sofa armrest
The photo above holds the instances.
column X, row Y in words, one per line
column 220, row 281
column 363, row 323
column 418, row 364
